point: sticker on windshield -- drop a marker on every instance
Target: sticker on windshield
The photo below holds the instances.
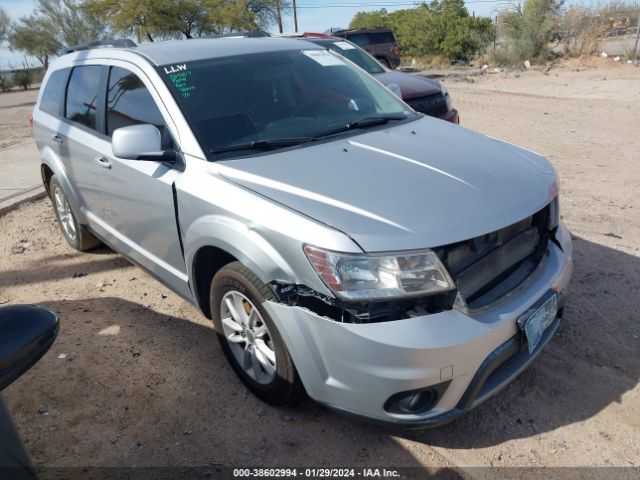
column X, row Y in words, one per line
column 344, row 45
column 323, row 57
column 179, row 76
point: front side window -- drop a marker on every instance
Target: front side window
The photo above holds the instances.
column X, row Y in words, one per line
column 286, row 95
column 51, row 101
column 82, row 95
column 129, row 102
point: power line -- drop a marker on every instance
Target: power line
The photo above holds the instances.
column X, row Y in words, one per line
column 385, row 3
column 399, row 4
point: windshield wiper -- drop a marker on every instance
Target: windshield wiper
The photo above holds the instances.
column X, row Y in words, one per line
column 273, row 143
column 263, row 144
column 362, row 123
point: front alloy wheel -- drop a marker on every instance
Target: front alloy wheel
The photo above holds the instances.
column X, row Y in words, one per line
column 248, row 337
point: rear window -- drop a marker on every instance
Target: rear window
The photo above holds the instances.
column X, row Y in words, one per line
column 360, row 39
column 82, row 95
column 381, row 37
column 51, row 101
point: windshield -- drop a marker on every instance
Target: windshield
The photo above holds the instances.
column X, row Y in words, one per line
column 356, row 55
column 268, row 100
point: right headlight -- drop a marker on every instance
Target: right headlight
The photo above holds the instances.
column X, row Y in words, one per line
column 358, row 277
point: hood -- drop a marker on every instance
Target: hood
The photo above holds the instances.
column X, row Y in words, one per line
column 411, row 85
column 424, row 183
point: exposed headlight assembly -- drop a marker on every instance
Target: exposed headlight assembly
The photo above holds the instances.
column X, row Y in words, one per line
column 380, row 276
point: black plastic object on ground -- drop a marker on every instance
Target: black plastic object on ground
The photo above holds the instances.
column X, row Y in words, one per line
column 26, row 333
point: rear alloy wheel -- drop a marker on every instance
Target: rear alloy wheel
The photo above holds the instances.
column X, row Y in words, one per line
column 65, row 217
column 249, row 337
column 76, row 235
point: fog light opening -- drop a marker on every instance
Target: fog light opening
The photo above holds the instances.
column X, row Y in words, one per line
column 415, row 402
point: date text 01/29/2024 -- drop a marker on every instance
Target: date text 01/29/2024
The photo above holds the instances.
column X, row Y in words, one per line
column 315, row 473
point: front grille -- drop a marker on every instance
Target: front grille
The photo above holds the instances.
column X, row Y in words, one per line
column 498, row 261
column 434, row 105
column 487, row 267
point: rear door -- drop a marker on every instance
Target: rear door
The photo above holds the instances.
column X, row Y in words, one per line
column 79, row 132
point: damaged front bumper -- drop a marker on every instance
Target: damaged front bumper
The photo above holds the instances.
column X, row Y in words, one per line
column 463, row 358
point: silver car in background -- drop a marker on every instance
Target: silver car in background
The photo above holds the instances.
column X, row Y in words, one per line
column 388, row 264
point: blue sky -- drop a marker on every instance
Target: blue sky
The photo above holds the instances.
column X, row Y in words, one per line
column 313, row 15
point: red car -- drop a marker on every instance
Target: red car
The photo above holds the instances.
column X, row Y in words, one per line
column 422, row 94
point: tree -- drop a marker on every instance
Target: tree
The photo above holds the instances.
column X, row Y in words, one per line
column 36, row 36
column 265, row 12
column 131, row 17
column 55, row 24
column 530, row 30
column 23, row 78
column 441, row 28
column 5, row 28
column 5, row 25
column 152, row 19
column 374, row 19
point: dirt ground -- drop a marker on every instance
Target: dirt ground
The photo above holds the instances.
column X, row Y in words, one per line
column 15, row 110
column 144, row 382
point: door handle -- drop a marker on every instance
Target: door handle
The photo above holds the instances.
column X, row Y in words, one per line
column 57, row 138
column 103, row 162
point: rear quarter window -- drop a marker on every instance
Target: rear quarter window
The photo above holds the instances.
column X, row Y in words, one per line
column 53, row 94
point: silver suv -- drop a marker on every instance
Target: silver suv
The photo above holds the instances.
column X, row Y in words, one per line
column 388, row 264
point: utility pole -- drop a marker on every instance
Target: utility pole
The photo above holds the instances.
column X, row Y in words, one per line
column 635, row 49
column 295, row 16
column 279, row 13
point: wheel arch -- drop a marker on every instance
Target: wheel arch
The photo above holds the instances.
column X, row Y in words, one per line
column 214, row 241
column 207, row 261
column 46, row 173
column 51, row 165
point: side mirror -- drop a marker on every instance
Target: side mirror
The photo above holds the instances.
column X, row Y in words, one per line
column 137, row 142
column 395, row 89
column 26, row 333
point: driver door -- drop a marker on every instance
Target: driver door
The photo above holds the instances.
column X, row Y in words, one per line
column 133, row 200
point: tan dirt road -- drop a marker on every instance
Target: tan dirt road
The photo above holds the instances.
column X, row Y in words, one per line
column 145, row 383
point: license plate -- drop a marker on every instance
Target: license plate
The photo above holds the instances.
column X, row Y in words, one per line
column 537, row 323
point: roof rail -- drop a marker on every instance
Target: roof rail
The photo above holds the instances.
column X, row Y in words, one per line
column 119, row 43
column 241, row 34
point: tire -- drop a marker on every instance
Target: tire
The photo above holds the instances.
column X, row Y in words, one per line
column 76, row 235
column 238, row 286
column 385, row 62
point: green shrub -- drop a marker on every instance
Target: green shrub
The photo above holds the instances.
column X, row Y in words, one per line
column 5, row 83
column 582, row 29
column 442, row 28
column 23, row 78
column 527, row 32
